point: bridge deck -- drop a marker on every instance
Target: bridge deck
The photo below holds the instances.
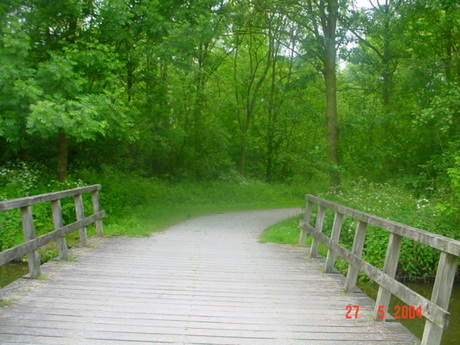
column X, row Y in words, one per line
column 204, row 281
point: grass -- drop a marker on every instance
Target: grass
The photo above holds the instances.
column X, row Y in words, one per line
column 284, row 232
column 160, row 204
column 6, row 302
column 288, row 232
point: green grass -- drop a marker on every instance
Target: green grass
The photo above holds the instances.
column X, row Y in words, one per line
column 288, row 232
column 5, row 302
column 146, row 206
column 284, row 232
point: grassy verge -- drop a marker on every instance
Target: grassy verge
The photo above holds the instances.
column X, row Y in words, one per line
column 170, row 203
column 288, row 232
column 284, row 232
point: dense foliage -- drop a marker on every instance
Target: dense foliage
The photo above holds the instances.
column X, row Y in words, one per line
column 285, row 91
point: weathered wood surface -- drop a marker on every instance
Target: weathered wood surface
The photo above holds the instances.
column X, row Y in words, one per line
column 439, row 242
column 431, row 310
column 37, row 199
column 435, row 310
column 33, row 244
column 204, row 281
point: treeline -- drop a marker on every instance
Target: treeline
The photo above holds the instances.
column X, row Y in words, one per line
column 277, row 90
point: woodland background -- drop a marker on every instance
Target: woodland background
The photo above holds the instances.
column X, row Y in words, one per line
column 178, row 99
column 211, row 89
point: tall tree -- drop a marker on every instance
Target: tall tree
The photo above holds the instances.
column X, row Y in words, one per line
column 320, row 18
column 378, row 31
column 283, row 37
column 252, row 58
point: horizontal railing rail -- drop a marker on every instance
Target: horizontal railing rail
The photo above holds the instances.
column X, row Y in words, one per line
column 435, row 310
column 33, row 243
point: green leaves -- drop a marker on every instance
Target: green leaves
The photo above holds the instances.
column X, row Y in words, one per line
column 443, row 112
column 78, row 117
column 57, row 78
column 454, row 174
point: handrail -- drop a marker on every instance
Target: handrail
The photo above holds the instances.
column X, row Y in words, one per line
column 32, row 243
column 435, row 310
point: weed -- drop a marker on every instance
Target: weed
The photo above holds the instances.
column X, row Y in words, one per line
column 6, row 302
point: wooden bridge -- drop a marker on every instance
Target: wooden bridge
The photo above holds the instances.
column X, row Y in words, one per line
column 205, row 281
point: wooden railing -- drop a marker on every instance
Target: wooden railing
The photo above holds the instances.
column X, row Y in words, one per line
column 434, row 310
column 33, row 243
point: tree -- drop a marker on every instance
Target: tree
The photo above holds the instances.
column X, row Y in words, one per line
column 68, row 109
column 17, row 93
column 66, row 85
column 378, row 31
column 320, row 18
column 252, row 58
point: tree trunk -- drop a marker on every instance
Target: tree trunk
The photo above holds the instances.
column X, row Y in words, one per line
column 62, row 155
column 243, row 149
column 271, row 125
column 387, row 72
column 331, row 113
column 329, row 25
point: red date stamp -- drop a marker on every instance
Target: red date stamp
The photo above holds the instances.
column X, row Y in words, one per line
column 401, row 312
column 352, row 311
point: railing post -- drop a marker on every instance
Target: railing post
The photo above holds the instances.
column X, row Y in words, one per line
column 80, row 215
column 33, row 257
column 389, row 267
column 57, row 220
column 335, row 235
column 358, row 244
column 442, row 290
column 306, row 218
column 318, row 228
column 96, row 208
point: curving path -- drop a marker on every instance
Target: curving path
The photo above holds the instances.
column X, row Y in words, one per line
column 205, row 281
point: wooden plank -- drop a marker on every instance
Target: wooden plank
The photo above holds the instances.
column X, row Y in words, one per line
column 335, row 235
column 389, row 267
column 358, row 245
column 319, row 228
column 79, row 210
column 442, row 290
column 306, row 218
column 31, row 245
column 442, row 243
column 430, row 310
column 96, row 209
column 37, row 199
column 33, row 258
column 58, row 223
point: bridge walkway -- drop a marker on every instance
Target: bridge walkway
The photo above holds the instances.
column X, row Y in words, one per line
column 205, row 281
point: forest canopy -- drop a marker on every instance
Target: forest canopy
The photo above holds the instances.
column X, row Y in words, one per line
column 275, row 90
